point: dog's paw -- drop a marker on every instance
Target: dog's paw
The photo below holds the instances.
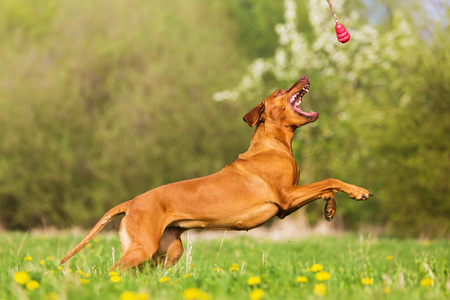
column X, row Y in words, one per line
column 330, row 208
column 361, row 194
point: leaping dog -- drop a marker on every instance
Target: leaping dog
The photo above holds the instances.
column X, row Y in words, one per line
column 260, row 184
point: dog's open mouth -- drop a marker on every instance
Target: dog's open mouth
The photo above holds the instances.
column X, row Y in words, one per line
column 296, row 99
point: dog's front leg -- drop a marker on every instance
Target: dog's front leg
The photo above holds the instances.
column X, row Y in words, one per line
column 298, row 196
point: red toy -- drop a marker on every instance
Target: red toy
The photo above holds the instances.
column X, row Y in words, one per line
column 342, row 34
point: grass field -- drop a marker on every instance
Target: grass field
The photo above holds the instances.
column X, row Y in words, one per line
column 332, row 267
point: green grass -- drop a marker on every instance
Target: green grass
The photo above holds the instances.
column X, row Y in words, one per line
column 347, row 258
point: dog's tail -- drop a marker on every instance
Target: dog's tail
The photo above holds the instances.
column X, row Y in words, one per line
column 111, row 214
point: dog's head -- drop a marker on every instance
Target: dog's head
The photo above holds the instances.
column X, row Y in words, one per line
column 283, row 107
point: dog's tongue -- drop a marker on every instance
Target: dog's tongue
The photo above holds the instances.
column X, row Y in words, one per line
column 311, row 113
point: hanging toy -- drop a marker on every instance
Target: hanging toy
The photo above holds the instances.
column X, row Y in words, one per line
column 342, row 34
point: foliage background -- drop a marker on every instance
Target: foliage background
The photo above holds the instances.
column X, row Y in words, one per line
column 101, row 101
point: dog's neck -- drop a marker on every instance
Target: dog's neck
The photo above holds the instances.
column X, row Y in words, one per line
column 267, row 135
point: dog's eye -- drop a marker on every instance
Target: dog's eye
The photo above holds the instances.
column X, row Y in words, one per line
column 279, row 93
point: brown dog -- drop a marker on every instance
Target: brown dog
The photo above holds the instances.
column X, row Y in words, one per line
column 260, row 184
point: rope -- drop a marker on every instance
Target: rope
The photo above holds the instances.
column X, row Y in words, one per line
column 332, row 10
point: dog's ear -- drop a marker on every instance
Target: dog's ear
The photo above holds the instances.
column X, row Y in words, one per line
column 254, row 116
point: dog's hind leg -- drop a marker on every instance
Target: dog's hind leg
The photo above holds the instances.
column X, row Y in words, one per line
column 170, row 247
column 140, row 237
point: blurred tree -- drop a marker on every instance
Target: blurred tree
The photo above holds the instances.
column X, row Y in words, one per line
column 101, row 101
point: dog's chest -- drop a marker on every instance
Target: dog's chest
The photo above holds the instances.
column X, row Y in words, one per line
column 276, row 168
column 286, row 173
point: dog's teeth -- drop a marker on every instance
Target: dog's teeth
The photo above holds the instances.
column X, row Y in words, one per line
column 307, row 90
column 295, row 98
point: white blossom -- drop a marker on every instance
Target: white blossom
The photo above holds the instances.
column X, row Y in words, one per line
column 325, row 55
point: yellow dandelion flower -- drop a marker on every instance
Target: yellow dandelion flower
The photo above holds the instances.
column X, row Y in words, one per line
column 426, row 282
column 387, row 290
column 112, row 273
column 191, row 293
column 308, row 270
column 70, row 270
column 320, row 289
column 96, row 240
column 187, row 275
column 21, row 277
column 254, row 280
column 256, row 294
column 87, row 275
column 59, row 268
column 195, row 293
column 42, row 262
column 115, row 278
column 367, row 281
column 217, row 269
column 170, row 270
column 127, row 295
column 164, row 279
column 322, row 276
column 389, row 257
column 51, row 271
column 234, row 269
column 32, row 285
column 84, row 281
column 235, row 265
column 302, row 279
column 142, row 296
column 316, row 267
column 81, row 272
column 50, row 258
column 28, row 258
